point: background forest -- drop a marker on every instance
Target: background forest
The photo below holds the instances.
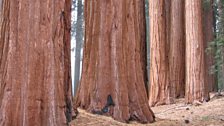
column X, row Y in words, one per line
column 111, row 62
column 181, row 73
column 212, row 15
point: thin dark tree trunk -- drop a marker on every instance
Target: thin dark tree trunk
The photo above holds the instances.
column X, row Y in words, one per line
column 220, row 28
column 79, row 43
column 209, row 37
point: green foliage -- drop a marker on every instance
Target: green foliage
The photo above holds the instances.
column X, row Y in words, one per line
column 217, row 47
column 220, row 18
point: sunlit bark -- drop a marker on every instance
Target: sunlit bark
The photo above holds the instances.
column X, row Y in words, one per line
column 35, row 83
column 114, row 61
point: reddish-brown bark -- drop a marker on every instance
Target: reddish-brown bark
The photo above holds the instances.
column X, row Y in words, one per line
column 160, row 90
column 114, row 60
column 195, row 79
column 35, row 83
column 177, row 49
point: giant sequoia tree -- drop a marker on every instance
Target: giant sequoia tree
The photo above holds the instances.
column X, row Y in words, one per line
column 177, row 49
column 160, row 90
column 114, row 61
column 195, row 79
column 35, row 84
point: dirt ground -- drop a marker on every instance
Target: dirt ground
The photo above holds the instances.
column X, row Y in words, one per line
column 207, row 114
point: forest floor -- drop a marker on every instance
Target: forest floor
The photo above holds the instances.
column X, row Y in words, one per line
column 207, row 114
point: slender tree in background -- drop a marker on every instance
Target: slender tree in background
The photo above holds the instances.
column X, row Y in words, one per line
column 35, row 83
column 114, row 61
column 159, row 64
column 147, row 37
column 220, row 43
column 177, row 49
column 220, row 18
column 73, row 19
column 216, row 47
column 195, row 79
column 208, row 34
column 79, row 42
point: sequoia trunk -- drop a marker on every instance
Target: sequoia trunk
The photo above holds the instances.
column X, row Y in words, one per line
column 195, row 79
column 177, row 49
column 35, row 83
column 114, row 61
column 159, row 64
